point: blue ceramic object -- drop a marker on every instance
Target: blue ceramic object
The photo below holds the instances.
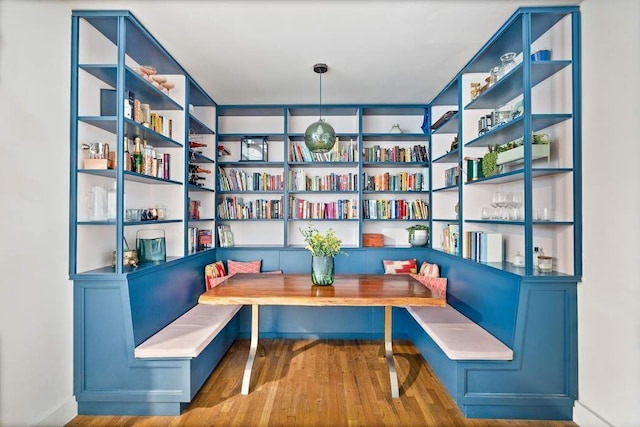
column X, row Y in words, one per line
column 541, row 55
column 425, row 122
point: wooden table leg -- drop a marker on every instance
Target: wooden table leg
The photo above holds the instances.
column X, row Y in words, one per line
column 388, row 349
column 246, row 379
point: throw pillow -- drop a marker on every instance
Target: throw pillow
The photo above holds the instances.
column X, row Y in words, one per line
column 212, row 282
column 244, row 267
column 400, row 267
column 429, row 270
column 438, row 285
column 215, row 269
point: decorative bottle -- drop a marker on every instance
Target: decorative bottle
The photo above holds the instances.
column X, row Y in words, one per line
column 137, row 157
column 536, row 253
column 128, row 161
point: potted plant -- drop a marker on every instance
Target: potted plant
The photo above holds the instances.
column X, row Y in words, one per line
column 323, row 248
column 513, row 151
column 490, row 163
column 418, row 234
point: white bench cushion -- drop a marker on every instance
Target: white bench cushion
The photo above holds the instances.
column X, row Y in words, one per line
column 189, row 334
column 458, row 336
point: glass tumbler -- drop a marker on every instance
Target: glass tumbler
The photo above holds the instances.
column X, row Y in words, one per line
column 508, row 62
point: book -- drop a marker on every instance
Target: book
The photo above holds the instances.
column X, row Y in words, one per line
column 491, row 247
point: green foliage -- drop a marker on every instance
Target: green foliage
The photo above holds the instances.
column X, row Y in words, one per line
column 489, row 163
column 319, row 244
column 417, row 227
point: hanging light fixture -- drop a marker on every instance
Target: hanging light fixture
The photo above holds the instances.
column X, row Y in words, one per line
column 320, row 136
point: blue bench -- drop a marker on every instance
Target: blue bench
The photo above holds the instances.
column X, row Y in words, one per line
column 534, row 318
column 121, row 365
column 530, row 374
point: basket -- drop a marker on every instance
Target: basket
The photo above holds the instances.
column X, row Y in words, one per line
column 372, row 240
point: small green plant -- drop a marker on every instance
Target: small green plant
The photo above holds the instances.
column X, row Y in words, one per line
column 490, row 163
column 490, row 159
column 413, row 228
column 319, row 244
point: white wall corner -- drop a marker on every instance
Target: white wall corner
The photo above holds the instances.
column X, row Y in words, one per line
column 585, row 417
column 61, row 415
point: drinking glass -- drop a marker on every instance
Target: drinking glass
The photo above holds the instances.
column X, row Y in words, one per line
column 502, row 204
column 517, row 201
column 494, row 204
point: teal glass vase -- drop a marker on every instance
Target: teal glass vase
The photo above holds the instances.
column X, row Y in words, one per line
column 322, row 270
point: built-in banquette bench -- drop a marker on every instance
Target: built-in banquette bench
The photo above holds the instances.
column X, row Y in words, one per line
column 520, row 362
column 143, row 345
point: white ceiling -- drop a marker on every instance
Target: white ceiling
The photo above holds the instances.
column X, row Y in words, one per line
column 263, row 52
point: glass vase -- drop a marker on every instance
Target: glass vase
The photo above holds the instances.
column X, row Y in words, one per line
column 322, row 270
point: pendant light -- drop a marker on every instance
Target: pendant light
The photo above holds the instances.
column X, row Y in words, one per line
column 320, row 136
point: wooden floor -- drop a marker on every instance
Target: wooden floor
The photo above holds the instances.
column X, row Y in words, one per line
column 318, row 383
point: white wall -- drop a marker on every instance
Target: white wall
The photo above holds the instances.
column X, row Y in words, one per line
column 608, row 297
column 36, row 370
column 35, row 296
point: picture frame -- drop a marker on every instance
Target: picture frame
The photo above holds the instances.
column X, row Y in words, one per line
column 254, row 149
column 225, row 236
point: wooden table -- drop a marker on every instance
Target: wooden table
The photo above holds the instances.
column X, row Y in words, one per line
column 296, row 289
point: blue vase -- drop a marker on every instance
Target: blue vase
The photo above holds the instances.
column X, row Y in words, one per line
column 322, row 270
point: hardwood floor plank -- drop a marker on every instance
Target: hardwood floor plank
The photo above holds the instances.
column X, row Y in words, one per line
column 318, row 383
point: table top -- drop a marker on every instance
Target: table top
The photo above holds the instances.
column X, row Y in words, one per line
column 297, row 289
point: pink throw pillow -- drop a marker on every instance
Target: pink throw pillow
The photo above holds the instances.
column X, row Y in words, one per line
column 429, row 270
column 212, row 282
column 438, row 285
column 244, row 267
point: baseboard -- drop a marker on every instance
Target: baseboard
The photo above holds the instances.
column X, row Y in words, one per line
column 60, row 416
column 585, row 417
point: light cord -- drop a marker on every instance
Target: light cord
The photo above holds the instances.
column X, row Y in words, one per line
column 320, row 96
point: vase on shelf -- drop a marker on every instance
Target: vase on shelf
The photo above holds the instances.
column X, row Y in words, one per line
column 418, row 238
column 322, row 270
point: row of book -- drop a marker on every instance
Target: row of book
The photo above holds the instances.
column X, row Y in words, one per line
column 395, row 209
column 339, row 209
column 142, row 114
column 199, row 239
column 236, row 208
column 299, row 181
column 452, row 176
column 483, row 247
column 417, row 153
column 341, row 152
column 240, row 180
column 194, row 209
column 401, row 181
